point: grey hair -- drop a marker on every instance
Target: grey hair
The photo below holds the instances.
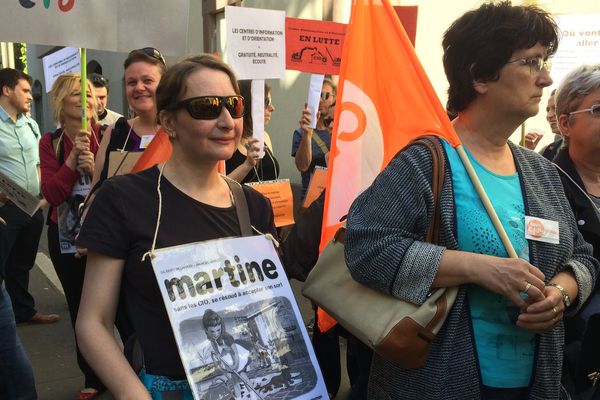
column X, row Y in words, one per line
column 580, row 82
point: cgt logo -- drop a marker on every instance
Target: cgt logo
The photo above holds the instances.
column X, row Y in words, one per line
column 535, row 228
column 63, row 5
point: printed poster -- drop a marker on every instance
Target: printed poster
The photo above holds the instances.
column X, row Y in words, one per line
column 279, row 193
column 21, row 197
column 255, row 42
column 59, row 63
column 580, row 44
column 69, row 214
column 314, row 46
column 237, row 326
column 113, row 25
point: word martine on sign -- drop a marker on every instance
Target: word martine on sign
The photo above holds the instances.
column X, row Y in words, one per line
column 63, row 5
column 203, row 283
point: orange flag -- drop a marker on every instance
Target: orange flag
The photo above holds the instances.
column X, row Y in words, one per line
column 384, row 101
column 158, row 151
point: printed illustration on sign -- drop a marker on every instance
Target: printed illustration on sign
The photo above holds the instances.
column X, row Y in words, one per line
column 314, row 46
column 256, row 351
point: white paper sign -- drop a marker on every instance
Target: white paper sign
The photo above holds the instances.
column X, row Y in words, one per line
column 235, row 320
column 59, row 63
column 257, row 88
column 580, row 44
column 255, row 42
column 21, row 197
column 114, row 25
column 314, row 97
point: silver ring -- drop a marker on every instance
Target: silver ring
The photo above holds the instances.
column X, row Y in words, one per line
column 555, row 311
column 527, row 287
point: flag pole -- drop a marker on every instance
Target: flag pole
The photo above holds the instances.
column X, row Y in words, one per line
column 83, row 89
column 487, row 204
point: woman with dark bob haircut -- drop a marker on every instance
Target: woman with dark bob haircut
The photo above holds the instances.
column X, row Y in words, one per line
column 199, row 106
column 504, row 335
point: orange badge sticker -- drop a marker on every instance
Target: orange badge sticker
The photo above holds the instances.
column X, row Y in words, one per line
column 314, row 46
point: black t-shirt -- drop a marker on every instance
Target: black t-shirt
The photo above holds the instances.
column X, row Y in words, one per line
column 267, row 167
column 122, row 137
column 121, row 224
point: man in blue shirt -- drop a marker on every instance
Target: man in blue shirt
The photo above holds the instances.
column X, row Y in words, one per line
column 19, row 160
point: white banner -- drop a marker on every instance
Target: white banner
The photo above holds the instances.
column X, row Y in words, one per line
column 255, row 42
column 59, row 63
column 114, row 25
column 237, row 326
column 580, row 44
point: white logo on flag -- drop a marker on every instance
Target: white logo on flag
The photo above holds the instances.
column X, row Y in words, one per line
column 359, row 151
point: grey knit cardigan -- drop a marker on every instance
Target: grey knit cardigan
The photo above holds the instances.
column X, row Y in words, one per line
column 385, row 250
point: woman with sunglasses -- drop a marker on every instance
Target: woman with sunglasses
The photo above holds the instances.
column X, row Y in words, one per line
column 143, row 70
column 578, row 112
column 200, row 107
column 245, row 165
column 311, row 147
column 67, row 165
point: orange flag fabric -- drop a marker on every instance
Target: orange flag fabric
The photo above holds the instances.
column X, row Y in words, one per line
column 384, row 101
column 159, row 150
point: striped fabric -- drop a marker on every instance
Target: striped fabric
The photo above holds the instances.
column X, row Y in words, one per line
column 384, row 250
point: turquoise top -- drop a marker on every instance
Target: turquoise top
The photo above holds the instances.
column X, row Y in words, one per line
column 19, row 151
column 505, row 351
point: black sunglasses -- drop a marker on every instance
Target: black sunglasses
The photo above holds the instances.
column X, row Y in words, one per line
column 325, row 95
column 268, row 102
column 153, row 53
column 210, row 107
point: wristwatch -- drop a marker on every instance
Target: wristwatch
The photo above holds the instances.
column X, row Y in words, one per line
column 565, row 294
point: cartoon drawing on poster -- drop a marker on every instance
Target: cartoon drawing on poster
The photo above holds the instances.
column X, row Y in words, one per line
column 238, row 329
column 69, row 214
column 254, row 351
column 314, row 46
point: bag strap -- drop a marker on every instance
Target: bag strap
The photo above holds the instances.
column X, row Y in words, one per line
column 320, row 142
column 438, row 170
column 241, row 206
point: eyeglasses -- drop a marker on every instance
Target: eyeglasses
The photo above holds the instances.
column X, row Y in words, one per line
column 210, row 107
column 593, row 110
column 151, row 52
column 268, row 102
column 536, row 64
column 325, row 95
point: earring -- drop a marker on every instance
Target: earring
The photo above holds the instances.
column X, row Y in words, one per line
column 172, row 134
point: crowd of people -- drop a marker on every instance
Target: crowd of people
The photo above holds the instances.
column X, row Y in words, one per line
column 520, row 328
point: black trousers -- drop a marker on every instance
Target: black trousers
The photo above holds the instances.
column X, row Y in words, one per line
column 71, row 272
column 19, row 240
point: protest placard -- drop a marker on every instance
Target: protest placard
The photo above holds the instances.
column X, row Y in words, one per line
column 579, row 44
column 21, row 197
column 318, row 182
column 314, row 46
column 237, row 326
column 279, row 192
column 255, row 42
column 113, row 25
column 59, row 63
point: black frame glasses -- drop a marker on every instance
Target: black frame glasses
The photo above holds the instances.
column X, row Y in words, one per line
column 210, row 107
column 153, row 53
column 536, row 64
column 593, row 110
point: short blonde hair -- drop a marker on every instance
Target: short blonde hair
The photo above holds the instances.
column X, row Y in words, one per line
column 63, row 87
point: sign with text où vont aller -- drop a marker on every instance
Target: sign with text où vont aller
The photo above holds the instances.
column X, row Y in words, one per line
column 255, row 42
